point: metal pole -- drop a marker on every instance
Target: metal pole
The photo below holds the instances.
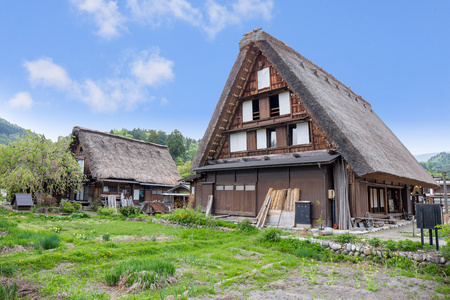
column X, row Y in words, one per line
column 444, row 175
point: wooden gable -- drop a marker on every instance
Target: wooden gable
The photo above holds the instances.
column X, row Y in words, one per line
column 297, row 113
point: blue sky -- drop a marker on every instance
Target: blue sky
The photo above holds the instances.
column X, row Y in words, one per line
column 162, row 64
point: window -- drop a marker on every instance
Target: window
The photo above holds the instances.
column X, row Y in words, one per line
column 285, row 103
column 271, row 138
column 261, row 139
column 219, row 187
column 238, row 141
column 274, row 106
column 263, row 78
column 299, row 134
column 157, row 192
column 393, row 196
column 250, row 110
column 376, row 199
column 81, row 164
column 110, row 189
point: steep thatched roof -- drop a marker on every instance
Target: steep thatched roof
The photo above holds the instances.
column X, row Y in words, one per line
column 366, row 143
column 116, row 157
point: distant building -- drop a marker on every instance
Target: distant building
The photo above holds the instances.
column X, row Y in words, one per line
column 436, row 195
column 116, row 165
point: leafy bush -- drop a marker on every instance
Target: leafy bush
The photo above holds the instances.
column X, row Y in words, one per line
column 408, row 245
column 346, row 238
column 96, row 204
column 144, row 271
column 79, row 215
column 191, row 217
column 50, row 242
column 130, row 211
column 390, row 245
column 106, row 237
column 445, row 251
column 47, row 200
column 69, row 207
column 246, row 226
column 106, row 211
column 375, row 242
column 271, row 234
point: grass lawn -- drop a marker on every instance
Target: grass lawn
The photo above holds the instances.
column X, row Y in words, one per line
column 111, row 258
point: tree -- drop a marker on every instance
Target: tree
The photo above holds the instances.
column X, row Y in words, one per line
column 35, row 164
column 124, row 132
column 162, row 136
column 175, row 144
column 184, row 169
column 153, row 137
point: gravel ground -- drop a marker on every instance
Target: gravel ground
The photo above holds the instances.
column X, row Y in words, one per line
column 403, row 232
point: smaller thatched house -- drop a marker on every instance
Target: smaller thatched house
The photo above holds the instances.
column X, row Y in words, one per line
column 116, row 165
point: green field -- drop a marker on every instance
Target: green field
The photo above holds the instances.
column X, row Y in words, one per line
column 108, row 257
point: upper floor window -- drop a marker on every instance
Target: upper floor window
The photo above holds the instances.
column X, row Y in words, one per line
column 263, row 78
column 271, row 137
column 250, row 110
column 280, row 104
column 299, row 134
column 238, row 141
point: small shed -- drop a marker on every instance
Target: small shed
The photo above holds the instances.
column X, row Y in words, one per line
column 22, row 202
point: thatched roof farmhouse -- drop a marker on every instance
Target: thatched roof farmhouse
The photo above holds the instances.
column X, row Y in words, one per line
column 283, row 122
column 133, row 167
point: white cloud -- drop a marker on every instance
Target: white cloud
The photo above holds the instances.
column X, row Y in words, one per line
column 44, row 71
column 154, row 12
column 105, row 14
column 212, row 20
column 147, row 68
column 151, row 69
column 21, row 100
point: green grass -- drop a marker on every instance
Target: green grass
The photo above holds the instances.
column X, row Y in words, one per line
column 100, row 250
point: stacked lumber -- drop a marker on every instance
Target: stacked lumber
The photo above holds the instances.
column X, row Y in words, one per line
column 276, row 202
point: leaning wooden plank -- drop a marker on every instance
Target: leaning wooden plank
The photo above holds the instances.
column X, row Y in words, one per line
column 262, row 220
column 263, row 211
column 287, row 203
column 282, row 198
column 209, row 205
column 264, row 203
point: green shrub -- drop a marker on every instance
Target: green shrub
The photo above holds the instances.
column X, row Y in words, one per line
column 50, row 242
column 191, row 216
column 246, row 226
column 408, row 245
column 390, row 245
column 346, row 238
column 144, row 271
column 7, row 224
column 8, row 293
column 106, row 211
column 375, row 242
column 69, row 207
column 130, row 211
column 271, row 234
column 7, row 271
column 445, row 251
column 106, row 237
column 79, row 215
column 96, row 204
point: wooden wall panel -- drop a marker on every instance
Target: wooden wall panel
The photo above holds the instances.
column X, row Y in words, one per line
column 277, row 178
column 246, row 176
column 251, row 140
column 224, row 177
column 282, row 136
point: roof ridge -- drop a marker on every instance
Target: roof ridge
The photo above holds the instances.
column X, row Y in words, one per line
column 79, row 128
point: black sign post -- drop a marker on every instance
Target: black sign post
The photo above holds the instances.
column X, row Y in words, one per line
column 428, row 216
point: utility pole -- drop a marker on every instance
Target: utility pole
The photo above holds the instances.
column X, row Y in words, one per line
column 444, row 175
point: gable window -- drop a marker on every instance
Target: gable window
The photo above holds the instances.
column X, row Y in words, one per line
column 280, row 104
column 250, row 110
column 299, row 134
column 263, row 78
column 274, row 106
column 238, row 141
column 271, row 138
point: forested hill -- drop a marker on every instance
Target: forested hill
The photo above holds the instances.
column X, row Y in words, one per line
column 9, row 132
column 437, row 162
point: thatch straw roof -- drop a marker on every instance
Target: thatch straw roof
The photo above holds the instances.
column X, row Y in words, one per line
column 366, row 143
column 116, row 157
